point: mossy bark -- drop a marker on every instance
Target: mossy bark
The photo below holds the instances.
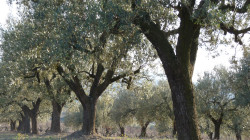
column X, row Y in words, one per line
column 56, row 115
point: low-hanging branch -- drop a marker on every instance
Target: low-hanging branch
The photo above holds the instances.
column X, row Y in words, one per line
column 234, row 31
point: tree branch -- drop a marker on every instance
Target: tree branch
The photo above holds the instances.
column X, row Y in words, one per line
column 75, row 85
column 243, row 9
column 234, row 31
column 155, row 35
column 99, row 72
column 124, row 75
column 89, row 74
column 172, row 32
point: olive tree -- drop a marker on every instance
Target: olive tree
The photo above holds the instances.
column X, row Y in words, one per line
column 216, row 99
column 175, row 28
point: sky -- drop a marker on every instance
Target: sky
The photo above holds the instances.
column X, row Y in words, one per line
column 204, row 62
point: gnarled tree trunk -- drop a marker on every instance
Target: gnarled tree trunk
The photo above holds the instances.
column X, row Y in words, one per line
column 89, row 116
column 56, row 113
column 178, row 65
column 217, row 123
column 97, row 88
column 24, row 124
column 122, row 131
column 144, row 129
column 184, row 106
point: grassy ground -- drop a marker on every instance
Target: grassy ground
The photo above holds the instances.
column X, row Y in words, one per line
column 19, row 136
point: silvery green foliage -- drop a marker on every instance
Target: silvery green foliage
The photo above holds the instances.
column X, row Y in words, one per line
column 214, row 93
column 73, row 34
column 240, row 81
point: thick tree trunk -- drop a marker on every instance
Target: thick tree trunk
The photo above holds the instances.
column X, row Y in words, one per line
column 12, row 125
column 89, row 116
column 56, row 113
column 178, row 65
column 184, row 106
column 217, row 131
column 34, row 124
column 24, row 124
column 122, row 131
column 144, row 129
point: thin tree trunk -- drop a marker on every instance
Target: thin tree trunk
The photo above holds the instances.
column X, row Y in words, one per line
column 33, row 114
column 107, row 133
column 89, row 116
column 20, row 125
column 34, row 124
column 217, row 130
column 238, row 136
column 210, row 135
column 144, row 129
column 122, row 131
column 56, row 113
column 12, row 125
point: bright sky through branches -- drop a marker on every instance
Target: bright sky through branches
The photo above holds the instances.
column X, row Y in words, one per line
column 204, row 62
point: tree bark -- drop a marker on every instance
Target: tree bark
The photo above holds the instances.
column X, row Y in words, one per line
column 24, row 124
column 97, row 88
column 178, row 66
column 89, row 116
column 122, row 131
column 20, row 125
column 217, row 123
column 184, row 106
column 33, row 113
column 174, row 129
column 56, row 113
column 12, row 125
column 34, row 124
column 144, row 129
column 217, row 130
